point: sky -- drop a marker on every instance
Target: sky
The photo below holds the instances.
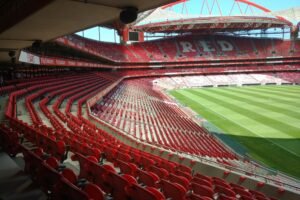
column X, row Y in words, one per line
column 193, row 7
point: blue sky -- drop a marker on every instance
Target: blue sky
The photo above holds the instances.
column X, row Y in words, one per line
column 194, row 7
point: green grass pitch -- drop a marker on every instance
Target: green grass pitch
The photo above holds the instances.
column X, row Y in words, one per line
column 264, row 119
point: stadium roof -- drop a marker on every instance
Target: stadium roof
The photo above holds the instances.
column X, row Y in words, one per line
column 166, row 21
column 160, row 15
column 212, row 24
column 292, row 14
column 23, row 22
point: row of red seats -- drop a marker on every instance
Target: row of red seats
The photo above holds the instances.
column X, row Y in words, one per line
column 86, row 139
column 57, row 181
column 208, row 70
column 188, row 48
column 22, row 83
column 293, row 77
column 85, row 147
column 38, row 141
column 65, row 91
column 51, row 86
column 156, row 121
column 61, row 185
column 22, row 89
column 174, row 186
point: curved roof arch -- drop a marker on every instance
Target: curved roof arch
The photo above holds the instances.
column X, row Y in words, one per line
column 167, row 21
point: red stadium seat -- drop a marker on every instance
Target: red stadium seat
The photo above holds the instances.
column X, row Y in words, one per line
column 172, row 190
column 93, row 191
column 64, row 190
column 202, row 190
column 148, row 178
column 136, row 192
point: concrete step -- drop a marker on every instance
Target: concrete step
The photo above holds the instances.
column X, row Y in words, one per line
column 14, row 183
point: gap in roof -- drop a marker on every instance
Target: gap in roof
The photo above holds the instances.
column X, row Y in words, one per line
column 195, row 8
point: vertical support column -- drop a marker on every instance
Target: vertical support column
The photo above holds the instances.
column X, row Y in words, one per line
column 141, row 37
column 115, row 37
column 295, row 31
column 125, row 35
column 99, row 33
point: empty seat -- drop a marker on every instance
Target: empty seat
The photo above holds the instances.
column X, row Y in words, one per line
column 202, row 182
column 120, row 185
column 64, row 190
column 202, row 190
column 148, row 178
column 172, row 190
column 127, row 168
column 136, row 192
column 47, row 177
column 226, row 191
column 93, row 191
column 162, row 173
column 179, row 179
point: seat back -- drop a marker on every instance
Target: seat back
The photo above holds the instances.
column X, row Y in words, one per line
column 202, row 190
column 198, row 197
column 226, row 191
column 93, row 191
column 127, row 168
column 161, row 172
column 32, row 162
column 184, row 174
column 69, row 175
column 47, row 177
column 201, row 176
column 52, row 162
column 172, row 190
column 148, row 178
column 184, row 168
column 224, row 197
column 120, row 185
column 64, row 190
column 202, row 182
column 136, row 192
column 179, row 179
